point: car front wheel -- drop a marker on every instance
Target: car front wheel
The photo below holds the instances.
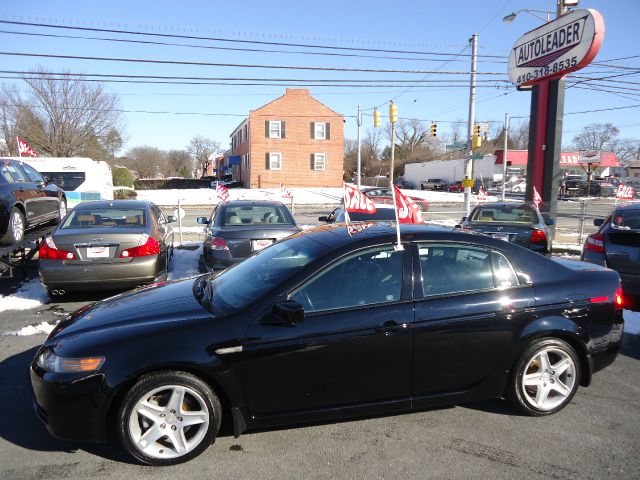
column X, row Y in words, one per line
column 168, row 418
column 545, row 378
column 15, row 228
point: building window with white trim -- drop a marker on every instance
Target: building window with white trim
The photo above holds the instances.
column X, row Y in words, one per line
column 275, row 161
column 319, row 161
column 320, row 131
column 275, row 129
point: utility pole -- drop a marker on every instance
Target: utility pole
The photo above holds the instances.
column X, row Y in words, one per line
column 359, row 122
column 468, row 164
column 504, row 155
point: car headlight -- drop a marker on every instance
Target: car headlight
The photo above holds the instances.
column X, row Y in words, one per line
column 51, row 362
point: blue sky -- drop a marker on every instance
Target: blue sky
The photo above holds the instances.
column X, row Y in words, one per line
column 426, row 26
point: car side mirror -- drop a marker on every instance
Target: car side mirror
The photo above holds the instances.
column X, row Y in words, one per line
column 549, row 221
column 597, row 222
column 202, row 220
column 171, row 219
column 463, row 219
column 458, row 225
column 323, row 218
column 289, row 311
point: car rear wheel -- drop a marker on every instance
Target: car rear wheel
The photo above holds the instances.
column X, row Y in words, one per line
column 15, row 228
column 62, row 210
column 168, row 418
column 545, row 378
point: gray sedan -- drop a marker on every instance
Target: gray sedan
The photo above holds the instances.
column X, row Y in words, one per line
column 239, row 228
column 107, row 245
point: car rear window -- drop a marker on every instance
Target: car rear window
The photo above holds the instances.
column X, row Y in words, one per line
column 504, row 215
column 243, row 215
column 380, row 214
column 68, row 181
column 105, row 217
column 626, row 220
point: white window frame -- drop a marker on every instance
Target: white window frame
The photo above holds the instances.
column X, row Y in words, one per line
column 272, row 161
column 319, row 164
column 272, row 124
column 316, row 134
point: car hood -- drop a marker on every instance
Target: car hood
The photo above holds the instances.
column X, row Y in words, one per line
column 145, row 307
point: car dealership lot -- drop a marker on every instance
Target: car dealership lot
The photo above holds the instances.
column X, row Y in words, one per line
column 596, row 436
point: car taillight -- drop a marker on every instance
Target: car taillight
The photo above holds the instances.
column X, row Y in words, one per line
column 618, row 299
column 149, row 247
column 595, row 243
column 538, row 236
column 49, row 251
column 218, row 243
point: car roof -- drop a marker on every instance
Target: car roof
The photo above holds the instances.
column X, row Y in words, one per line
column 627, row 206
column 113, row 204
column 257, row 203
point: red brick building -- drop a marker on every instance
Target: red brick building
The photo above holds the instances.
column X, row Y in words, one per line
column 294, row 140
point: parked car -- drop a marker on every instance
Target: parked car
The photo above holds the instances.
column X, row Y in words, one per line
column 434, row 184
column 518, row 223
column 382, row 195
column 383, row 212
column 26, row 200
column 325, row 325
column 107, row 245
column 239, row 228
column 616, row 245
column 456, row 187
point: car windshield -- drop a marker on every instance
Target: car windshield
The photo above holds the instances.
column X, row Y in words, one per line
column 504, row 214
column 243, row 215
column 381, row 214
column 626, row 220
column 104, row 217
column 247, row 281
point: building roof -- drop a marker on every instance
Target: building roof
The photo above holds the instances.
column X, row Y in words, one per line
column 567, row 159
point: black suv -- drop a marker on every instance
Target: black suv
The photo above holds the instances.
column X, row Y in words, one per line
column 26, row 200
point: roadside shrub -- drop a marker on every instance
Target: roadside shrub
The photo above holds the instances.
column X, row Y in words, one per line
column 124, row 194
column 170, row 183
column 122, row 177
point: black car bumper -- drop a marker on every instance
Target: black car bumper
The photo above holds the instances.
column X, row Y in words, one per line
column 630, row 284
column 219, row 259
column 71, row 408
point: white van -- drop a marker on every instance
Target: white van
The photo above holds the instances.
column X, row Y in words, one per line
column 81, row 178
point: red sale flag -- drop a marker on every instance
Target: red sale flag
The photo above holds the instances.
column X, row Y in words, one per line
column 625, row 192
column 537, row 199
column 482, row 195
column 222, row 192
column 354, row 228
column 286, row 193
column 356, row 201
column 408, row 211
column 25, row 149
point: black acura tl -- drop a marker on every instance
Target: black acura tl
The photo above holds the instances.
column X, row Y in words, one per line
column 325, row 325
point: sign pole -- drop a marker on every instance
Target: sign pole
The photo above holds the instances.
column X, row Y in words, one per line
column 468, row 164
column 504, row 156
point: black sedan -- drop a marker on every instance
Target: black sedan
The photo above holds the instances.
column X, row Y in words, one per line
column 26, row 200
column 325, row 325
column 616, row 245
column 107, row 245
column 513, row 222
column 239, row 228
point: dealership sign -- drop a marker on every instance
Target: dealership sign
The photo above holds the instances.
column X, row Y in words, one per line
column 590, row 156
column 556, row 48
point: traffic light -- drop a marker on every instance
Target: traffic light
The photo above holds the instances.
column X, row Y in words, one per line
column 476, row 130
column 476, row 142
column 376, row 118
column 434, row 127
column 393, row 113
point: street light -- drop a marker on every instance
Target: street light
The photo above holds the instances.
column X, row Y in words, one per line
column 512, row 16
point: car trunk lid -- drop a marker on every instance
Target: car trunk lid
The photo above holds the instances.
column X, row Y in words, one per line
column 243, row 241
column 622, row 250
column 100, row 245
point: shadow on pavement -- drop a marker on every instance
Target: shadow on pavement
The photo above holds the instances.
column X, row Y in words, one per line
column 631, row 345
column 21, row 426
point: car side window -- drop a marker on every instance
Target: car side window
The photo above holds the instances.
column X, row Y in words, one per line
column 17, row 174
column 368, row 277
column 4, row 172
column 450, row 268
column 504, row 274
column 33, row 175
column 158, row 214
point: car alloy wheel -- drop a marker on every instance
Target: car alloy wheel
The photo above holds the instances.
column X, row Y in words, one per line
column 62, row 212
column 15, row 229
column 168, row 418
column 546, row 377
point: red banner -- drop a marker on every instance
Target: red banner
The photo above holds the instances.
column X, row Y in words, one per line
column 625, row 192
column 222, row 192
column 356, row 201
column 408, row 211
column 25, row 149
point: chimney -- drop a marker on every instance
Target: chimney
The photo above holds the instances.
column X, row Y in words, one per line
column 297, row 91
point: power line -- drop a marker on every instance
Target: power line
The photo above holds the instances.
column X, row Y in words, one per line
column 221, row 39
column 237, row 65
column 211, row 47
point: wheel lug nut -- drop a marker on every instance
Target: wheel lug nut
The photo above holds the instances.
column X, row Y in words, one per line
column 173, row 427
column 552, row 381
column 162, row 425
column 161, row 451
column 162, row 415
column 173, row 411
column 179, row 419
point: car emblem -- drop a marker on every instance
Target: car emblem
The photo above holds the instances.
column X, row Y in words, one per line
column 96, row 239
column 500, row 228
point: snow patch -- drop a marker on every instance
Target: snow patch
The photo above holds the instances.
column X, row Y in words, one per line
column 29, row 295
column 43, row 327
column 185, row 262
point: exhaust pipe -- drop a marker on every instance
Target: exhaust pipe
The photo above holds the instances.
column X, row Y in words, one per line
column 61, row 292
column 58, row 293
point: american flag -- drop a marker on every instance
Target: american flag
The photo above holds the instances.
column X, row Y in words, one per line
column 222, row 192
column 24, row 149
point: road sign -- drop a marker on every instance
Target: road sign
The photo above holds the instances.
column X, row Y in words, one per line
column 456, row 146
column 179, row 213
column 467, row 183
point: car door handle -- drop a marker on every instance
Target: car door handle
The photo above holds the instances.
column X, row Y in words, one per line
column 390, row 326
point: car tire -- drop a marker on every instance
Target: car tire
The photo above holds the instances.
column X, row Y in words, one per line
column 545, row 378
column 15, row 228
column 62, row 210
column 157, row 406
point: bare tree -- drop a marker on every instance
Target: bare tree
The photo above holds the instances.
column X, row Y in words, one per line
column 596, row 136
column 410, row 134
column 519, row 136
column 60, row 116
column 147, row 161
column 180, row 163
column 202, row 148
